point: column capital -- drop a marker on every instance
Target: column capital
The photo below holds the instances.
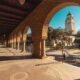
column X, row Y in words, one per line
column 24, row 37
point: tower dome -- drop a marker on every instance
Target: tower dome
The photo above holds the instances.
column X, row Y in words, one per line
column 69, row 14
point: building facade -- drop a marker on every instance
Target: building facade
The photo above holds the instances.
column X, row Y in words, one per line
column 70, row 24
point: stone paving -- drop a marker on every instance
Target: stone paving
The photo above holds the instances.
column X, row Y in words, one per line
column 72, row 56
column 36, row 69
column 12, row 52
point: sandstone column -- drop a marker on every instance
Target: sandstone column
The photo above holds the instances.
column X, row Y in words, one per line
column 18, row 42
column 43, row 48
column 24, row 46
column 39, row 48
column 24, row 42
column 15, row 41
column 12, row 45
column 18, row 47
column 12, row 42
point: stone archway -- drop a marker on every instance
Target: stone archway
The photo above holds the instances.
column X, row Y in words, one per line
column 39, row 20
column 25, row 37
column 44, row 20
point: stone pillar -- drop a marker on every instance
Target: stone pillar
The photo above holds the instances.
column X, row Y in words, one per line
column 18, row 42
column 39, row 48
column 24, row 42
column 43, row 48
column 15, row 41
column 18, row 47
column 8, row 43
column 24, row 46
column 12, row 43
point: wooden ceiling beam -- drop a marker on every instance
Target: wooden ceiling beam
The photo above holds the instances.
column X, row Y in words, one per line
column 12, row 10
column 10, row 15
column 9, row 19
column 7, row 22
column 7, row 26
column 6, row 30
column 6, row 33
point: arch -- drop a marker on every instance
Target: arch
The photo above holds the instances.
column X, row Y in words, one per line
column 27, row 38
column 29, row 30
column 29, row 34
column 39, row 20
column 19, row 35
column 52, row 12
column 26, row 29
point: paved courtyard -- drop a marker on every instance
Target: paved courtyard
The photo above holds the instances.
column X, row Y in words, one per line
column 35, row 69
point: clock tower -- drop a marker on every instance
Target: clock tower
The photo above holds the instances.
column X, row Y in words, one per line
column 70, row 24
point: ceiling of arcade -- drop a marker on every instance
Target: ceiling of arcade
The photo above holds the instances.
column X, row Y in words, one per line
column 13, row 12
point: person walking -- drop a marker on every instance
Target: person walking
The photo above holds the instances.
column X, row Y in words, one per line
column 63, row 57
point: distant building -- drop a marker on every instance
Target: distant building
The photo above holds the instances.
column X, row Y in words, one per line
column 70, row 24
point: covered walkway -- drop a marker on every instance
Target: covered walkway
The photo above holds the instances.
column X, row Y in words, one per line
column 18, row 15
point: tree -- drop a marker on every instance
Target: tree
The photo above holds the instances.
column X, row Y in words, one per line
column 78, row 34
column 77, row 40
column 59, row 36
column 57, row 33
column 50, row 30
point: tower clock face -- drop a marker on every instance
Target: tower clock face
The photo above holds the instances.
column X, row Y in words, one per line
column 21, row 1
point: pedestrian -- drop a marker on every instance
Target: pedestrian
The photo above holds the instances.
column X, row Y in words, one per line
column 64, row 57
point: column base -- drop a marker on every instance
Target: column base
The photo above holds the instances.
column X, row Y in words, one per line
column 38, row 56
column 18, row 50
column 24, row 51
column 45, row 56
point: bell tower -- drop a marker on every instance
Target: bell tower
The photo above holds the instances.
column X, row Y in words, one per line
column 70, row 24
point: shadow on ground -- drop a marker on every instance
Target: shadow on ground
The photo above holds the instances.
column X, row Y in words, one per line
column 3, row 58
column 47, row 63
column 77, row 79
column 70, row 59
column 73, row 60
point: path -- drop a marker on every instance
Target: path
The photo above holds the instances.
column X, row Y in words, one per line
column 37, row 69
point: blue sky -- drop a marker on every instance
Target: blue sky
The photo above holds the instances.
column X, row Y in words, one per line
column 58, row 20
column 29, row 31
